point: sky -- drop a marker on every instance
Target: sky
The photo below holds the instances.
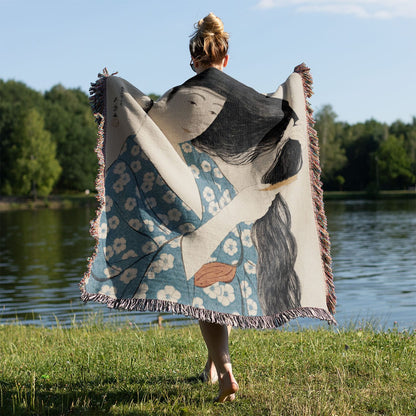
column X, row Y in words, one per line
column 362, row 53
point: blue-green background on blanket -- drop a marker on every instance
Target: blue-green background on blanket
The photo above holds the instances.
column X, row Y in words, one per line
column 43, row 255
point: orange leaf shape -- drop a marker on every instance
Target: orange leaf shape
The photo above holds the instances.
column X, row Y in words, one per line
column 211, row 273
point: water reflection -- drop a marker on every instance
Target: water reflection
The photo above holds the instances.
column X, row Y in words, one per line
column 43, row 257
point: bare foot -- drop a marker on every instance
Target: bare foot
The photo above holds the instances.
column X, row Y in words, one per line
column 209, row 375
column 228, row 388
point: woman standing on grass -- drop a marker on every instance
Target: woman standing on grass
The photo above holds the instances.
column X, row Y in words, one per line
column 204, row 198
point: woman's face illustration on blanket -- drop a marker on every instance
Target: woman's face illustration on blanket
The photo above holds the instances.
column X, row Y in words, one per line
column 185, row 113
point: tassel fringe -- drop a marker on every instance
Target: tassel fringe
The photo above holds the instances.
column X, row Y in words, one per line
column 317, row 193
column 257, row 322
column 97, row 102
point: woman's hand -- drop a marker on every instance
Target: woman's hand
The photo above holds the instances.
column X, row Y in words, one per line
column 253, row 202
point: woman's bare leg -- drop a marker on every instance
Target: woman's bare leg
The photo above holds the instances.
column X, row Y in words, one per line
column 210, row 374
column 216, row 339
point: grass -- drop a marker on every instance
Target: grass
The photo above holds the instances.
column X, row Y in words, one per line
column 108, row 369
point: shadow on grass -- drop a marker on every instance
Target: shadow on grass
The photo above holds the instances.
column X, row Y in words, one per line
column 97, row 397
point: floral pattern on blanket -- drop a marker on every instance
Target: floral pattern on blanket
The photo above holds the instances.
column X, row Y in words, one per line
column 141, row 226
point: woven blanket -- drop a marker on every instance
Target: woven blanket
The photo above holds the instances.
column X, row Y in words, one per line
column 210, row 202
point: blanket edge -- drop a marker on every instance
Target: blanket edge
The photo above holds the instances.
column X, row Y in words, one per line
column 317, row 191
column 97, row 102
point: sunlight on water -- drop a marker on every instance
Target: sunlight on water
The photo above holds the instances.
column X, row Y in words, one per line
column 43, row 255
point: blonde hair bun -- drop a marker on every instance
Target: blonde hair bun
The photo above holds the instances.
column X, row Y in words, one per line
column 211, row 25
column 209, row 42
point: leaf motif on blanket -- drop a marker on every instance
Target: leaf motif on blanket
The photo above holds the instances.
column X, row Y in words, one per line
column 214, row 272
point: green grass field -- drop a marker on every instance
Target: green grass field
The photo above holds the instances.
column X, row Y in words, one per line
column 109, row 369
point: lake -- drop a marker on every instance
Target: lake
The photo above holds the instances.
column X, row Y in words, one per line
column 43, row 255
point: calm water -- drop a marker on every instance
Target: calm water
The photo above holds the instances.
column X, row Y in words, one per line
column 43, row 257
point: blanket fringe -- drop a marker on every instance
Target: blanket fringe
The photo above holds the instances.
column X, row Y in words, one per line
column 97, row 102
column 257, row 322
column 317, row 192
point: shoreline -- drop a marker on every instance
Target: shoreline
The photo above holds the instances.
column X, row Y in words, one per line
column 67, row 201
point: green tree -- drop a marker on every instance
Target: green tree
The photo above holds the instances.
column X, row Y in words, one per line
column 394, row 164
column 361, row 142
column 71, row 123
column 15, row 99
column 332, row 154
column 35, row 166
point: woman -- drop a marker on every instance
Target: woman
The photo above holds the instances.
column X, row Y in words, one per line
column 209, row 49
column 195, row 218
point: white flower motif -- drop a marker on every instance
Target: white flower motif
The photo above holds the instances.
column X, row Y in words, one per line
column 252, row 307
column 160, row 240
column 113, row 222
column 102, row 231
column 119, row 245
column 149, row 247
column 174, row 214
column 149, row 177
column 135, row 150
column 213, row 208
column 150, row 202
column 118, row 186
column 146, row 187
column 135, row 223
column 111, row 271
column 208, row 194
column 186, row 147
column 225, row 199
column 250, row 267
column 213, row 290
column 169, row 197
column 206, row 166
column 198, row 303
column 128, row 275
column 130, row 253
column 186, row 228
column 246, row 290
column 149, row 225
column 227, row 295
column 108, row 252
column 108, row 203
column 217, row 173
column 124, row 178
column 230, row 246
column 109, row 291
column 119, row 168
column 169, row 293
column 166, row 261
column 195, row 171
column 135, row 166
column 141, row 293
column 246, row 238
column 153, row 270
column 130, row 204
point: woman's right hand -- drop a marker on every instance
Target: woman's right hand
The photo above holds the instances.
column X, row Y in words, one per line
column 253, row 202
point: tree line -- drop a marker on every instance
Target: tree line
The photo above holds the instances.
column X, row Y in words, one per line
column 47, row 143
